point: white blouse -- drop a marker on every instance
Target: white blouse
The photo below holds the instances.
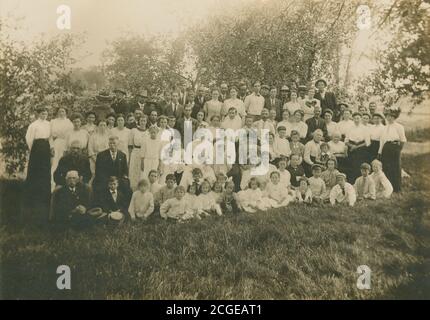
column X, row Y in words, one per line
column 344, row 125
column 39, row 129
column 331, row 128
column 376, row 131
column 358, row 134
column 312, row 149
column 233, row 103
column 392, row 132
column 60, row 128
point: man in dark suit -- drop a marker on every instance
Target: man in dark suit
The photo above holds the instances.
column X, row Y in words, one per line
column 112, row 198
column 71, row 200
column 73, row 160
column 199, row 101
column 243, row 91
column 141, row 103
column 316, row 122
column 174, row 108
column 327, row 99
column 272, row 102
column 111, row 162
column 120, row 105
column 180, row 124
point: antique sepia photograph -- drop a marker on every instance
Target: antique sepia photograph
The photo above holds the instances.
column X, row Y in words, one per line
column 190, row 150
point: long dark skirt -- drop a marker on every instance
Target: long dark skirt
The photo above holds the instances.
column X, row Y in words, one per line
column 342, row 165
column 38, row 182
column 391, row 164
column 355, row 159
column 373, row 150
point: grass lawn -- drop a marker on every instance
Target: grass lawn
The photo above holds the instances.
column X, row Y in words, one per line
column 295, row 253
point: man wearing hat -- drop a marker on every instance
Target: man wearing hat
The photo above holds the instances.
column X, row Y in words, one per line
column 140, row 102
column 273, row 103
column 302, row 92
column 364, row 185
column 254, row 103
column 120, row 105
column 102, row 106
column 71, row 199
column 327, row 99
column 285, row 94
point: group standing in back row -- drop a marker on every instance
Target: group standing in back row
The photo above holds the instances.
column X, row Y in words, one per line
column 318, row 149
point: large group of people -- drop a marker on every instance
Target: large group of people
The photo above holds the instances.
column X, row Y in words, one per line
column 111, row 165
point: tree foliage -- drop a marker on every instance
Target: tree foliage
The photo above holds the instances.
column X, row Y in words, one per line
column 274, row 41
column 31, row 76
column 404, row 66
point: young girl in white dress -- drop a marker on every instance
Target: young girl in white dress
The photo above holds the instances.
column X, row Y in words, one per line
column 151, row 152
column 250, row 199
column 206, row 203
column 383, row 186
column 137, row 140
column 279, row 195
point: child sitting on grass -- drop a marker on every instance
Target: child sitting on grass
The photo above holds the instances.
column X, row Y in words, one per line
column 206, row 203
column 176, row 208
column 296, row 170
column 142, row 202
column 303, row 191
column 284, row 174
column 279, row 195
column 383, row 186
column 329, row 176
column 229, row 200
column 365, row 186
column 342, row 192
column 250, row 199
column 317, row 185
column 168, row 191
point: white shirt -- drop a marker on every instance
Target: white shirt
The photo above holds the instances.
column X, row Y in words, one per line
column 376, row 131
column 337, row 148
column 358, row 134
column 261, row 124
column 292, row 107
column 141, row 204
column 337, row 196
column 383, row 186
column 392, row 132
column 312, row 149
column 39, row 129
column 331, row 128
column 254, row 104
column 281, row 146
column 344, row 125
column 60, row 128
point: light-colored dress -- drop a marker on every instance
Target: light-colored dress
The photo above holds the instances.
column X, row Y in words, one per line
column 96, row 144
column 150, row 153
column 60, row 128
column 212, row 108
column 137, row 139
column 383, row 186
column 141, row 204
column 81, row 136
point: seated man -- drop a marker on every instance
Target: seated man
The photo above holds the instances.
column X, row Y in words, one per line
column 74, row 160
column 71, row 200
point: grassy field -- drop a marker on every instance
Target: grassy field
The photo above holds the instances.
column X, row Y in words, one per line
column 295, row 253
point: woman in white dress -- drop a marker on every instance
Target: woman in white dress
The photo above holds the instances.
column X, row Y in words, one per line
column 138, row 136
column 150, row 153
column 99, row 141
column 233, row 102
column 77, row 134
column 123, row 135
column 60, row 127
column 213, row 107
column 308, row 105
column 293, row 104
column 330, row 124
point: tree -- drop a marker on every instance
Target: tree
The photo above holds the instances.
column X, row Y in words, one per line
column 404, row 65
column 31, row 76
column 273, row 41
column 137, row 62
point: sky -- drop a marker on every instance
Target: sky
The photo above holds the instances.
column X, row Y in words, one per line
column 105, row 20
